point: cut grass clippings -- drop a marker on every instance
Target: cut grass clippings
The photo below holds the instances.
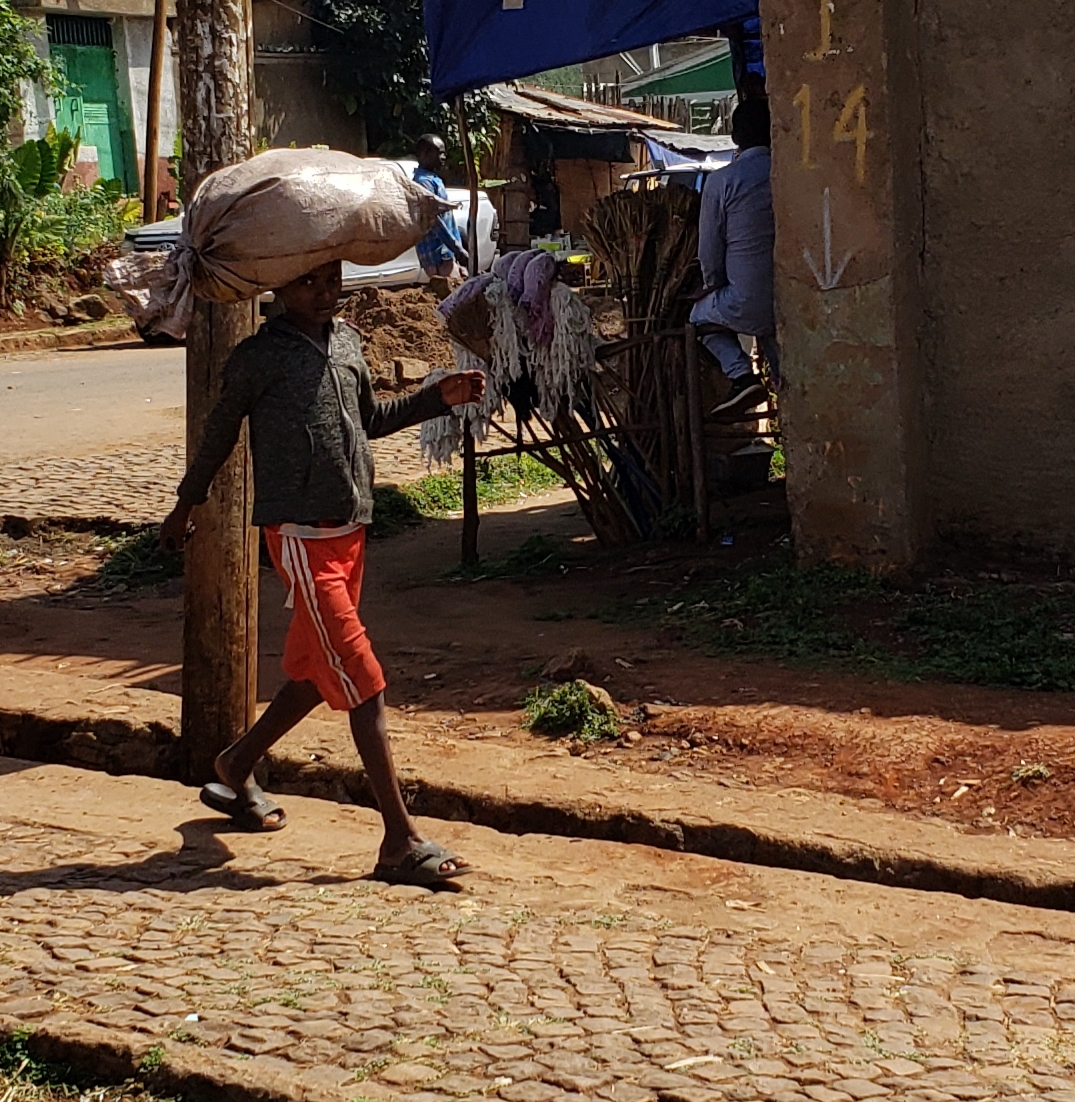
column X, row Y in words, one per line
column 128, row 555
column 983, row 633
column 137, row 561
column 501, row 480
column 570, row 710
column 536, row 557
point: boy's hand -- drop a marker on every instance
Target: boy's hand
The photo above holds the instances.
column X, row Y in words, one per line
column 462, row 388
column 175, row 528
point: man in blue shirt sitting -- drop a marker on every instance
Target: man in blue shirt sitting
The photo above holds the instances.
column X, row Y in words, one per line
column 442, row 248
column 735, row 247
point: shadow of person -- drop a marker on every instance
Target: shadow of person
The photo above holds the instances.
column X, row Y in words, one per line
column 202, row 861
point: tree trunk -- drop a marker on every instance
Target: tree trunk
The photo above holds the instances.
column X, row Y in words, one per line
column 215, row 40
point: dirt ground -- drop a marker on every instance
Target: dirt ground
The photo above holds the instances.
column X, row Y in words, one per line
column 463, row 655
column 45, row 281
column 399, row 325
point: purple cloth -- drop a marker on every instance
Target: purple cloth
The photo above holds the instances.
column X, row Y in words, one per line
column 502, row 265
column 538, row 280
column 517, row 275
column 471, row 289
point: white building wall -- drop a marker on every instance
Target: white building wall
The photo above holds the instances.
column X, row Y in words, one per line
column 37, row 110
column 134, row 46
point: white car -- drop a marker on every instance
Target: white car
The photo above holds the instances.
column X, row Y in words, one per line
column 692, row 174
column 401, row 272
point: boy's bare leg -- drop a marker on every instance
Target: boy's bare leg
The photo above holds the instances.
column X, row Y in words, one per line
column 369, row 728
column 294, row 702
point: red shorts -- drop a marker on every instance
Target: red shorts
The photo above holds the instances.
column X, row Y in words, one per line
column 326, row 642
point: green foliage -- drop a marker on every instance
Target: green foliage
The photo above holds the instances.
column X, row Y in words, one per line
column 778, row 468
column 501, row 481
column 379, row 68
column 569, row 710
column 567, row 81
column 153, row 1060
column 67, row 223
column 1019, row 636
column 20, row 61
column 30, row 175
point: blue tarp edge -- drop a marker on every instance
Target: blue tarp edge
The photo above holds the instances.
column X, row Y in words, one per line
column 474, row 43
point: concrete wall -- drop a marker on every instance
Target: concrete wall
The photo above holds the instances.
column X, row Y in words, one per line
column 923, row 192
column 845, row 176
column 293, row 105
column 134, row 46
column 999, row 267
column 133, row 50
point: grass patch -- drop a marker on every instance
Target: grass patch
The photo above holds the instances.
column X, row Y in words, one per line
column 570, row 709
column 1015, row 636
column 501, row 480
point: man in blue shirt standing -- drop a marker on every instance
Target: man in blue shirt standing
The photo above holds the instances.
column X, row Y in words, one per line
column 735, row 248
column 442, row 248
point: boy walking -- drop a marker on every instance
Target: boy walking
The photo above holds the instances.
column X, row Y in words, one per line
column 442, row 248
column 307, row 392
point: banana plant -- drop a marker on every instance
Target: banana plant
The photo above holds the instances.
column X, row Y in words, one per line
column 28, row 174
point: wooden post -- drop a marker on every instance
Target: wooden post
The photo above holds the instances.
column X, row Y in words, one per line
column 221, row 598
column 153, row 111
column 697, row 423
column 471, row 519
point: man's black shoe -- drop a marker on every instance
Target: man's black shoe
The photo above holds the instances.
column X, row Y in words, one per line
column 747, row 392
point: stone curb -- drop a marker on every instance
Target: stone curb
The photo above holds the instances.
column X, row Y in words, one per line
column 743, row 842
column 832, row 836
column 78, row 336
column 115, row 1058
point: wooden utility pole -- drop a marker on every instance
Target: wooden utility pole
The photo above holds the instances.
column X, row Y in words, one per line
column 696, row 414
column 215, row 43
column 153, row 111
column 471, row 519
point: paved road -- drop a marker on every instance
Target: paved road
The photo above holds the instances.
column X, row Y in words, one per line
column 567, row 970
column 81, row 403
column 101, row 434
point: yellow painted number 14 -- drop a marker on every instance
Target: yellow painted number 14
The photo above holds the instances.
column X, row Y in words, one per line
column 851, row 126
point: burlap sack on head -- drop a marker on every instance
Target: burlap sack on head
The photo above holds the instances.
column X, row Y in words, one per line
column 258, row 225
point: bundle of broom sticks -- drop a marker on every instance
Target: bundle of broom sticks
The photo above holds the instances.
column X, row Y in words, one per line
column 649, row 242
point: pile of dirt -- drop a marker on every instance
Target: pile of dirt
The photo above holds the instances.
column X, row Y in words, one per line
column 399, row 325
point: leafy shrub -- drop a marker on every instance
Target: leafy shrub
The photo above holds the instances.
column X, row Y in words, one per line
column 68, row 223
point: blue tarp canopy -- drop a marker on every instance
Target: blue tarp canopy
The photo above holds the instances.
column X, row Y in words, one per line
column 473, row 43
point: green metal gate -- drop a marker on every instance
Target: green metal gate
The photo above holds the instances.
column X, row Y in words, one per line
column 84, row 46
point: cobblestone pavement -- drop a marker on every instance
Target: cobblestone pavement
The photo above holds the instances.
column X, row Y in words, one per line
column 350, row 989
column 138, row 485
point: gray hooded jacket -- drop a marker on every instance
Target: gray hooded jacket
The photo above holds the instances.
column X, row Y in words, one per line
column 311, row 419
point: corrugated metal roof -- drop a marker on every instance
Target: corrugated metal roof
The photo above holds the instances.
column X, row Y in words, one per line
column 554, row 109
column 692, row 143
